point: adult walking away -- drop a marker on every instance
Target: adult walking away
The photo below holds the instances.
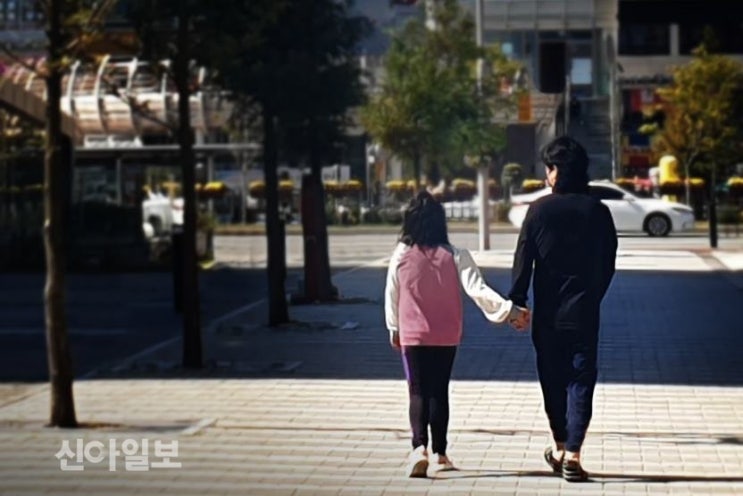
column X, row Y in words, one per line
column 569, row 240
column 423, row 313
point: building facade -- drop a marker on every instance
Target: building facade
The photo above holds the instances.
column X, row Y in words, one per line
column 568, row 50
column 655, row 36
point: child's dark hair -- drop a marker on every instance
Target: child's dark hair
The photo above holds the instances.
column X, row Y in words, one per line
column 424, row 222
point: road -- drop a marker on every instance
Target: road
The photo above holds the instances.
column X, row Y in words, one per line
column 113, row 316
column 349, row 250
column 110, row 316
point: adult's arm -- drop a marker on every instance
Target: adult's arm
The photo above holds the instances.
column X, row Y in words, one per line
column 608, row 253
column 523, row 261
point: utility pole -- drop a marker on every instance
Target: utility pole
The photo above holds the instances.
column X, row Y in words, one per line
column 566, row 104
column 482, row 171
column 613, row 119
column 613, row 106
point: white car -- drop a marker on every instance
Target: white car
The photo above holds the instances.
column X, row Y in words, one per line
column 630, row 213
column 177, row 204
column 159, row 214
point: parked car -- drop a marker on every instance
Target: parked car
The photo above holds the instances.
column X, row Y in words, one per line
column 466, row 210
column 157, row 211
column 177, row 205
column 631, row 213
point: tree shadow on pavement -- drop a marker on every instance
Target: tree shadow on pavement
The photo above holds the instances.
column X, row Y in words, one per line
column 608, row 477
column 658, row 327
column 111, row 316
column 594, row 477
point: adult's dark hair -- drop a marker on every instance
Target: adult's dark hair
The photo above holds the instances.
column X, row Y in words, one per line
column 424, row 222
column 571, row 161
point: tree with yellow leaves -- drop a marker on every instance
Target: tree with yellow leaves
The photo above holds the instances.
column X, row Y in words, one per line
column 702, row 127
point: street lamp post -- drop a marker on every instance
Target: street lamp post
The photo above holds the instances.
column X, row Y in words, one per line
column 612, row 121
column 566, row 106
column 372, row 153
column 482, row 171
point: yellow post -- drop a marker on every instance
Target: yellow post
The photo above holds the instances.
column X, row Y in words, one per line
column 668, row 171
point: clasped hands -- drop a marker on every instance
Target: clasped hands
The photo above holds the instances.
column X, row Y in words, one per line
column 519, row 318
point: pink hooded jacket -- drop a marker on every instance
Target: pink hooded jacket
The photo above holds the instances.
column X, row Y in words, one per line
column 423, row 299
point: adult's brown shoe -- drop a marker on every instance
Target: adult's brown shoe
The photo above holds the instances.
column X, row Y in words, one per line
column 573, row 472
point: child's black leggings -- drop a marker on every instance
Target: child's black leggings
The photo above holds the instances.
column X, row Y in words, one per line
column 428, row 369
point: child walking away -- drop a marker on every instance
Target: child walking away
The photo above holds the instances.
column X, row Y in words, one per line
column 423, row 312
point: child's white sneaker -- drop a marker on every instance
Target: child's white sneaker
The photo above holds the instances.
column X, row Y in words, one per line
column 417, row 463
column 441, row 463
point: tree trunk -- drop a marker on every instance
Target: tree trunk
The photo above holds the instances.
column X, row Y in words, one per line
column 713, row 211
column 192, row 355
column 416, row 172
column 317, row 282
column 434, row 173
column 56, row 169
column 278, row 312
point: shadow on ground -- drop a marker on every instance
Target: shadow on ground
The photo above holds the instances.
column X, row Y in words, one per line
column 659, row 327
column 594, row 477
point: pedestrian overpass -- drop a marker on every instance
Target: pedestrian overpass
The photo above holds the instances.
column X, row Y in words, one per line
column 120, row 114
column 25, row 96
column 118, row 100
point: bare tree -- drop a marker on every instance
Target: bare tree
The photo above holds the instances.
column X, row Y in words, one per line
column 154, row 22
column 71, row 28
column 192, row 353
column 57, row 165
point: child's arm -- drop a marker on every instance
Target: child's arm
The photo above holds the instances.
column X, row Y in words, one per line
column 493, row 306
column 391, row 292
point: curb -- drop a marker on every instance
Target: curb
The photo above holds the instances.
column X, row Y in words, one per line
column 710, row 258
column 452, row 227
column 360, row 230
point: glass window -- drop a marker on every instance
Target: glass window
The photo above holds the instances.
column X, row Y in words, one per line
column 94, row 184
column 551, row 35
column 726, row 37
column 10, row 11
column 644, row 39
column 580, row 35
column 603, row 193
column 581, row 71
column 512, row 42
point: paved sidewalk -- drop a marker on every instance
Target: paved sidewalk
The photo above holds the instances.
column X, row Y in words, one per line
column 319, row 406
column 732, row 260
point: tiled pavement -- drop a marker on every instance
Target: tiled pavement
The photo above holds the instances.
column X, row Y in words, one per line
column 319, row 406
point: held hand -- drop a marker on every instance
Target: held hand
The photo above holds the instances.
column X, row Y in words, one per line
column 395, row 340
column 520, row 318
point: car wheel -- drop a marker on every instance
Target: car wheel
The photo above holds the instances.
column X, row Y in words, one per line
column 157, row 225
column 149, row 231
column 658, row 225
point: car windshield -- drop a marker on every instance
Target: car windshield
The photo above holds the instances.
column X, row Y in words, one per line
column 646, row 194
column 604, row 192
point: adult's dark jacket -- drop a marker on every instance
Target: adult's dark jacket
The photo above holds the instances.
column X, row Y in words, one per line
column 570, row 241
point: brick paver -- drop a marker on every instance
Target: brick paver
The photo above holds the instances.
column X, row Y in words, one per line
column 319, row 407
